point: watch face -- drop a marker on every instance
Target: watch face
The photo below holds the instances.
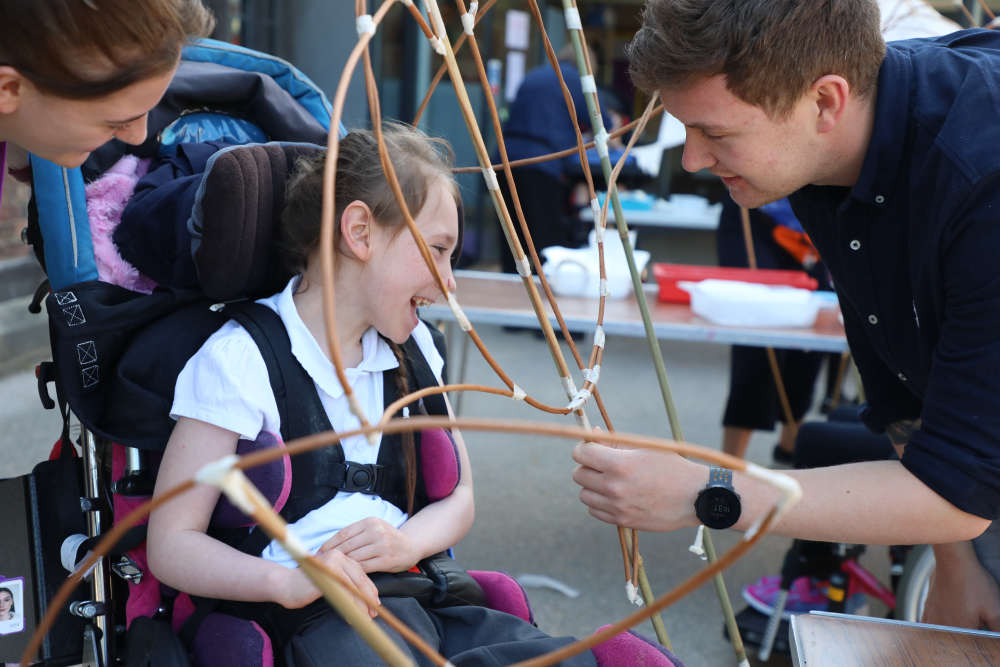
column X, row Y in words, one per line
column 718, row 507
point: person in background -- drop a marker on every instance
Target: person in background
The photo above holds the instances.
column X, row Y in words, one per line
column 753, row 402
column 538, row 124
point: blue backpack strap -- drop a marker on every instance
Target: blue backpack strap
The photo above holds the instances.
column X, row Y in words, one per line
column 62, row 217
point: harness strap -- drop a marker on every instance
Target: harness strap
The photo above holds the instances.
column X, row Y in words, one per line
column 302, row 413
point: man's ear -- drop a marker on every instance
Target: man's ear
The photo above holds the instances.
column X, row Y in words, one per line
column 11, row 88
column 356, row 229
column 831, row 93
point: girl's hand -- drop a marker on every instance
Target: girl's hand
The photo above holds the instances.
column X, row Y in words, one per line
column 298, row 590
column 376, row 545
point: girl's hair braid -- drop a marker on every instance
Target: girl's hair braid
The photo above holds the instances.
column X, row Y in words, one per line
column 407, row 440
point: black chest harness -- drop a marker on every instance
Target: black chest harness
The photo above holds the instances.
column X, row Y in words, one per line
column 318, row 476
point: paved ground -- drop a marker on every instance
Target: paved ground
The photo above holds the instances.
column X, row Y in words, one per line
column 529, row 520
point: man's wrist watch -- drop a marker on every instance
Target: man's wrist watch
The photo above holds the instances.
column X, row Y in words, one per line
column 717, row 505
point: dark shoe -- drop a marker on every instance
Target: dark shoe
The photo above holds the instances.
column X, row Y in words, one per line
column 779, row 455
column 511, row 329
column 576, row 335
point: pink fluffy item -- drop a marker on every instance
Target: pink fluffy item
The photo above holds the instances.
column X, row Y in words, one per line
column 106, row 199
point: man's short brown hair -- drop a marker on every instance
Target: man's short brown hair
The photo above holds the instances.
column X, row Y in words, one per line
column 770, row 51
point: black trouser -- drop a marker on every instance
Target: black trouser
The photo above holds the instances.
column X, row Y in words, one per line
column 841, row 440
column 753, row 396
column 468, row 636
column 545, row 202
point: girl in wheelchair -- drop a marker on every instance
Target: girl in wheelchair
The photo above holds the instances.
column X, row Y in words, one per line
column 397, row 513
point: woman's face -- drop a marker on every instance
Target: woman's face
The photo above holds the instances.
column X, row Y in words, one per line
column 66, row 131
column 6, row 602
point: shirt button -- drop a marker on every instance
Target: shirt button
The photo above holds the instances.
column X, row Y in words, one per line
column 902, row 376
column 855, row 244
column 879, row 199
column 872, row 319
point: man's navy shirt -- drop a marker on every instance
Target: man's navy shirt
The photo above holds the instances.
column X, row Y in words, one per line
column 914, row 250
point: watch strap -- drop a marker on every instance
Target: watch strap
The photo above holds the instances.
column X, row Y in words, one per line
column 719, row 476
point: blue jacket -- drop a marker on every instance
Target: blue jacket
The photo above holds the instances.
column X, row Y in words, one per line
column 538, row 122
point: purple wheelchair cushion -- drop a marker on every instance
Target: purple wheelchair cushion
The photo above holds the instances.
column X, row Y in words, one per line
column 503, row 593
column 227, row 640
column 630, row 649
column 273, row 479
column 439, row 463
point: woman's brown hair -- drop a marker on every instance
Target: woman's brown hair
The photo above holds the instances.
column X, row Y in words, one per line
column 85, row 49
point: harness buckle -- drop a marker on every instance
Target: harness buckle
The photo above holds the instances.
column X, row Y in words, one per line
column 360, row 477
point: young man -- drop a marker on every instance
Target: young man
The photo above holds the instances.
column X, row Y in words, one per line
column 889, row 157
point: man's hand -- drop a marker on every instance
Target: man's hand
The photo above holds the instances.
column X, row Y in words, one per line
column 376, row 544
column 638, row 488
column 962, row 593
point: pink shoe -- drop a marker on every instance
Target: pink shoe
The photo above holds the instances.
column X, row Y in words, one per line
column 806, row 594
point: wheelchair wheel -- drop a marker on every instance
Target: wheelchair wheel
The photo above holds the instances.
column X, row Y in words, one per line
column 911, row 594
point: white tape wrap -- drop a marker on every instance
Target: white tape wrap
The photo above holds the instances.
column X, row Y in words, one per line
column 632, row 593
column 569, row 386
column 490, row 177
column 437, row 45
column 588, row 84
column 604, row 287
column 468, row 23
column 295, row 547
column 519, row 393
column 523, row 267
column 599, row 337
column 573, row 21
column 601, row 142
column 463, row 321
column 365, row 24
column 473, row 8
column 599, row 224
column 592, row 375
column 233, row 484
column 407, row 3
column 213, row 473
column 579, row 399
column 698, row 547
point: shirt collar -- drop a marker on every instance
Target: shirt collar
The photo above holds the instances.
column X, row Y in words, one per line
column 376, row 355
column 876, row 183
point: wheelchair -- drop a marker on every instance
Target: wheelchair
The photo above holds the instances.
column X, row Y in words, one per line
column 843, row 439
column 108, row 374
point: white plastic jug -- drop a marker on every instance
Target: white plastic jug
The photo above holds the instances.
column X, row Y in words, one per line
column 576, row 271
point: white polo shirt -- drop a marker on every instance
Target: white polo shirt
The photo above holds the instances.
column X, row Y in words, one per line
column 226, row 384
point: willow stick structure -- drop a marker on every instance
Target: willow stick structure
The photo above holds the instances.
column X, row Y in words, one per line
column 245, row 496
column 575, row 26
column 788, row 488
column 342, row 593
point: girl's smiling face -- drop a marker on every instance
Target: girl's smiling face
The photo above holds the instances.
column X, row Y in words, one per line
column 398, row 279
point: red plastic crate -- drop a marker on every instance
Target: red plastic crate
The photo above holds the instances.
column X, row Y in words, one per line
column 668, row 275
